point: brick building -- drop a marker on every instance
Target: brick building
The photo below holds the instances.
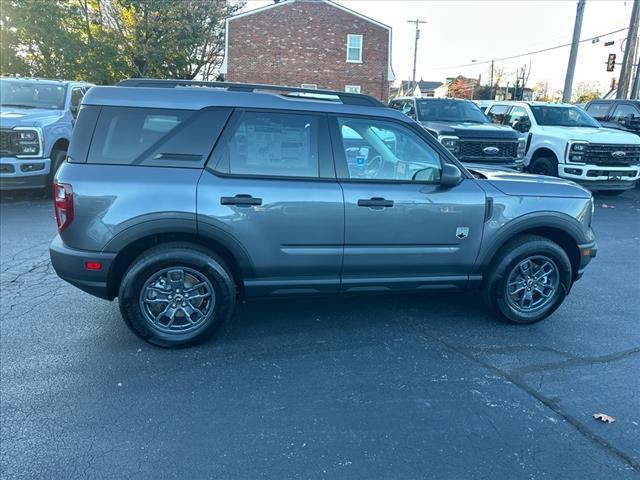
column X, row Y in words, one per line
column 310, row 43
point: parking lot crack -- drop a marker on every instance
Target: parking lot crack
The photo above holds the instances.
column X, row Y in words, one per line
column 577, row 362
column 517, row 380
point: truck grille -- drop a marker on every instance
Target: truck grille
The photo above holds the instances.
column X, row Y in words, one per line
column 475, row 149
column 8, row 142
column 603, row 154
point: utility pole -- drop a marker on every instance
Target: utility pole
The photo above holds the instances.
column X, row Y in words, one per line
column 635, row 90
column 629, row 52
column 491, row 84
column 417, row 22
column 573, row 56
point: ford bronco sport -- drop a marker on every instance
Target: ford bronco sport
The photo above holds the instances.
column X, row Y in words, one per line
column 36, row 119
column 180, row 197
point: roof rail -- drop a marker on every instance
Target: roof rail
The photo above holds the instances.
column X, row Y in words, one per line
column 311, row 93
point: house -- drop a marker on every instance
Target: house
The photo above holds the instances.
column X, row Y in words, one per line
column 311, row 44
column 514, row 93
column 461, row 87
column 423, row 88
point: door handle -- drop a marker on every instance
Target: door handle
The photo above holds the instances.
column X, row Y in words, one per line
column 241, row 200
column 375, row 202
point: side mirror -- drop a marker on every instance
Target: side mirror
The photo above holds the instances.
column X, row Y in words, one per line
column 450, row 176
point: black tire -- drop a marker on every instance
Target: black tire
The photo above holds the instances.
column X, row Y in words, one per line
column 544, row 166
column 57, row 159
column 197, row 262
column 510, row 257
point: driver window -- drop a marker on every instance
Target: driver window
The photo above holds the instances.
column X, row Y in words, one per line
column 518, row 119
column 76, row 98
column 623, row 111
column 380, row 150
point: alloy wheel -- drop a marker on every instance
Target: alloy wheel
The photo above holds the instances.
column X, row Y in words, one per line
column 532, row 284
column 177, row 300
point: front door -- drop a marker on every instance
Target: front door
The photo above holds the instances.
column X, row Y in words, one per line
column 402, row 229
column 270, row 189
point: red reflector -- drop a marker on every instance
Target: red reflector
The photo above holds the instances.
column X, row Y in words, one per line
column 93, row 265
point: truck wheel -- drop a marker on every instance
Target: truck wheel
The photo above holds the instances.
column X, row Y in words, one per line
column 176, row 295
column 57, row 158
column 544, row 166
column 529, row 279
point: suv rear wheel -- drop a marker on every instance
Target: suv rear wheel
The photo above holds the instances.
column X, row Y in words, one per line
column 177, row 294
column 529, row 280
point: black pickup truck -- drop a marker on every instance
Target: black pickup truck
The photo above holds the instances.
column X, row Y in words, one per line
column 467, row 132
column 618, row 114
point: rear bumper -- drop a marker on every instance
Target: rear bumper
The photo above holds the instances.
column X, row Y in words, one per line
column 70, row 265
column 23, row 173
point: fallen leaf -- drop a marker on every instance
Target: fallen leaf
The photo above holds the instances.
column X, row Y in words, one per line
column 603, row 417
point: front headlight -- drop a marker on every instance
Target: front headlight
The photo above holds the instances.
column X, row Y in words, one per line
column 576, row 152
column 450, row 143
column 28, row 142
column 522, row 147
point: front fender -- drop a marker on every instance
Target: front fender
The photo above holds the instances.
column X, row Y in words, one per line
column 542, row 219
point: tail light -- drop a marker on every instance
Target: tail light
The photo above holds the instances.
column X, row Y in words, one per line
column 63, row 204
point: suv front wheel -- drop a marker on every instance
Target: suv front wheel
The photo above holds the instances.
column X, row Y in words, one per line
column 176, row 294
column 528, row 280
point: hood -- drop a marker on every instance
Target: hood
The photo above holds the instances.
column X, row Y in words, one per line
column 11, row 117
column 592, row 135
column 527, row 185
column 471, row 130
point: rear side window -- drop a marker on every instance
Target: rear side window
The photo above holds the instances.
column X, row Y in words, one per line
column 271, row 144
column 497, row 112
column 82, row 133
column 598, row 110
column 156, row 137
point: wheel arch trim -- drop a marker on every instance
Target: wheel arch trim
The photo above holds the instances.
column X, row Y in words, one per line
column 538, row 220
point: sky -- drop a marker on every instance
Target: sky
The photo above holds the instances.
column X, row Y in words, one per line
column 458, row 32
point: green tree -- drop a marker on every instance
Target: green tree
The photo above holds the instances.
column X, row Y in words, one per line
column 40, row 38
column 104, row 41
column 585, row 92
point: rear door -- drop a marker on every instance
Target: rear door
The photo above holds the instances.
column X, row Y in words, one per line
column 624, row 116
column 402, row 230
column 270, row 189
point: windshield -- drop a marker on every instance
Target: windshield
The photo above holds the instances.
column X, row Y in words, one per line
column 450, row 111
column 562, row 116
column 32, row 94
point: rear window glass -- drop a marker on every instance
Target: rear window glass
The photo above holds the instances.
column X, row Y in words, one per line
column 155, row 137
column 497, row 112
column 272, row 144
column 598, row 110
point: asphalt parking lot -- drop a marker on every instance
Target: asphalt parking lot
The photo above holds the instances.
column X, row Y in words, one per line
column 375, row 387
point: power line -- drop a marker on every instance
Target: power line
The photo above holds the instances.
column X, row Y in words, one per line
column 534, row 52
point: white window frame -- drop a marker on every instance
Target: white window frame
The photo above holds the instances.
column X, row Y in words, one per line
column 349, row 36
column 354, row 89
column 312, row 86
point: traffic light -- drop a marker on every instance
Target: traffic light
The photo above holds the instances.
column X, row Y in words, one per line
column 611, row 63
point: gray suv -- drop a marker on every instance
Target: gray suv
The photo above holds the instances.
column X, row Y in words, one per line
column 181, row 197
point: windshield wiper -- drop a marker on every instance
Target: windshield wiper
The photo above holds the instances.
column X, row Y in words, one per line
column 17, row 105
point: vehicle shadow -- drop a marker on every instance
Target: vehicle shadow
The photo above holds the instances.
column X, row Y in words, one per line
column 352, row 315
column 18, row 196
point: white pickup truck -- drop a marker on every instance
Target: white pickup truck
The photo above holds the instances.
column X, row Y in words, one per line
column 565, row 141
